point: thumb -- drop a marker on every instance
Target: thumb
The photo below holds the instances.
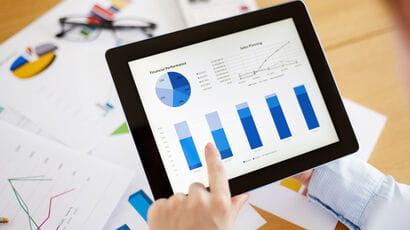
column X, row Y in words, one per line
column 238, row 201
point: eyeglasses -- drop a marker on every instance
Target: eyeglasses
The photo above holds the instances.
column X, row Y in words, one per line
column 88, row 28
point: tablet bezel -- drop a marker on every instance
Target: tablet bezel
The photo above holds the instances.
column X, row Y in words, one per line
column 118, row 60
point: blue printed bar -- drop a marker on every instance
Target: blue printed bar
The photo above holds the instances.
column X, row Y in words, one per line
column 249, row 126
column 278, row 116
column 218, row 133
column 124, row 227
column 306, row 107
column 188, row 145
column 141, row 202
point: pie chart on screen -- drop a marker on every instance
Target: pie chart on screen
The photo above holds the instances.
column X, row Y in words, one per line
column 33, row 62
column 173, row 89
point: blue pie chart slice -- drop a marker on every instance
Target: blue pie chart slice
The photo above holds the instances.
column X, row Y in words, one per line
column 173, row 89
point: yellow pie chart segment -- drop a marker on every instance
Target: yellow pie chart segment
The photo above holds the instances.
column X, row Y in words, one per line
column 30, row 69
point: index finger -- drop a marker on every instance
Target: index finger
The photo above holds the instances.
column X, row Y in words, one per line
column 218, row 182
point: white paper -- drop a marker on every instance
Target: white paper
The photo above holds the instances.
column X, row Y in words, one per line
column 15, row 118
column 63, row 98
column 367, row 125
column 120, row 149
column 197, row 12
column 295, row 207
column 292, row 207
column 45, row 185
column 248, row 218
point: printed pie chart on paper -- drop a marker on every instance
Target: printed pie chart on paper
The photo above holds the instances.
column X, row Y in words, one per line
column 173, row 89
column 33, row 62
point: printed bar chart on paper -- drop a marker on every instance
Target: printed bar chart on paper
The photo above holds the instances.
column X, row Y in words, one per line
column 188, row 145
column 278, row 116
column 306, row 107
column 249, row 125
column 46, row 186
column 218, row 134
column 141, row 203
column 291, row 184
column 124, row 227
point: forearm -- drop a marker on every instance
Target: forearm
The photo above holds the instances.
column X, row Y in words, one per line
column 360, row 195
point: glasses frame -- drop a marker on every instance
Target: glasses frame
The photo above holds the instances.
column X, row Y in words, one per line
column 104, row 24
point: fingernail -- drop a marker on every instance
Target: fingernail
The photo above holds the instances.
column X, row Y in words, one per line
column 209, row 146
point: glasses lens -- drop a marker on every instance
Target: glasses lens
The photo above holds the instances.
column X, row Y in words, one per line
column 81, row 28
column 131, row 30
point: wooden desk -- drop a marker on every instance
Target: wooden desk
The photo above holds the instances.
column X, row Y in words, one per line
column 358, row 37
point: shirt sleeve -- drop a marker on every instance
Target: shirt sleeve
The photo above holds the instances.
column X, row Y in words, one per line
column 361, row 196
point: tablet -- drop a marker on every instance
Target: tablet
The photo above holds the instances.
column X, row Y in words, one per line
column 257, row 85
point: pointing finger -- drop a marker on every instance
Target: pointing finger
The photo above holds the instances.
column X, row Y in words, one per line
column 218, row 182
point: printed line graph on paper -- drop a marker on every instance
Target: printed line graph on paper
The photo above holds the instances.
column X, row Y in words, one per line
column 33, row 223
column 46, row 186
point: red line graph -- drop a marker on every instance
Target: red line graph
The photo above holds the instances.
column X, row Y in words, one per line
column 49, row 207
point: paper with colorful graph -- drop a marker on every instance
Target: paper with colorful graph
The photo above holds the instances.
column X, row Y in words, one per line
column 47, row 186
column 64, row 85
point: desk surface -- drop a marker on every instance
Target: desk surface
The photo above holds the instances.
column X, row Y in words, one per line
column 358, row 37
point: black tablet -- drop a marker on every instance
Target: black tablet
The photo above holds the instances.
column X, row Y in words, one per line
column 257, row 85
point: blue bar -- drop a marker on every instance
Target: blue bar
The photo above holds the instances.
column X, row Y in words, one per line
column 306, row 107
column 124, row 227
column 278, row 116
column 218, row 133
column 141, row 202
column 249, row 126
column 188, row 145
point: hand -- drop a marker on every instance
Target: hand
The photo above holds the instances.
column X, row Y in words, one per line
column 304, row 177
column 201, row 209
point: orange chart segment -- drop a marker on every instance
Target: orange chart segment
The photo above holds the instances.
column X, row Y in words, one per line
column 30, row 69
column 291, row 184
column 275, row 222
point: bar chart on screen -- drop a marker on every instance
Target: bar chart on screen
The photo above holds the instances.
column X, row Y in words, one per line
column 306, row 107
column 247, row 124
column 46, row 186
column 188, row 145
column 219, row 135
column 278, row 117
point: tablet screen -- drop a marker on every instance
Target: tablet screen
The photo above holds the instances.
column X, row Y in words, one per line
column 252, row 93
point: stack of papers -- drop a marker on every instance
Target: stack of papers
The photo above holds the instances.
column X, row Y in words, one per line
column 47, row 186
column 62, row 169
